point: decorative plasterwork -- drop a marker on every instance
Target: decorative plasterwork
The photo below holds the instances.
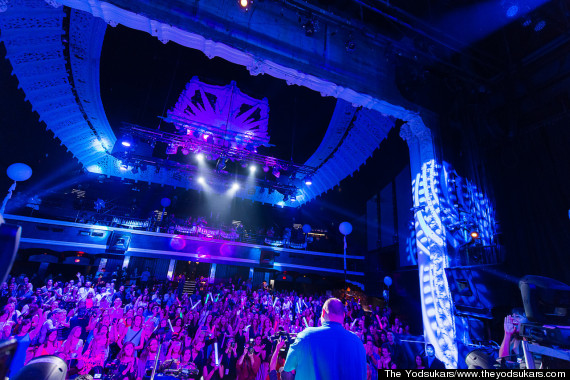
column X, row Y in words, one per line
column 32, row 33
column 114, row 15
column 437, row 304
column 70, row 105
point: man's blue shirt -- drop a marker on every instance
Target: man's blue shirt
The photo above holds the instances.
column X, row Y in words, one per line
column 328, row 352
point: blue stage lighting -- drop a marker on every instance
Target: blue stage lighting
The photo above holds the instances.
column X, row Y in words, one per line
column 512, row 11
column 127, row 141
column 539, row 26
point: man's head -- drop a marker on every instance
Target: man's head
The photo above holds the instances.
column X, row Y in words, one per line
column 333, row 311
column 430, row 351
column 390, row 337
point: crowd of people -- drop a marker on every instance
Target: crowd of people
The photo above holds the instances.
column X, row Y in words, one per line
column 224, row 330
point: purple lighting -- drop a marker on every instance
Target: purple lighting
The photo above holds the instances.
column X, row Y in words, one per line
column 276, row 172
column 177, row 243
column 221, row 115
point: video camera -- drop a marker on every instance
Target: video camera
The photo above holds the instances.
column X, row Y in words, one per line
column 183, row 373
column 287, row 338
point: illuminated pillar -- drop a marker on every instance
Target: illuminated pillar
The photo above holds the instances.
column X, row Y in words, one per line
column 212, row 277
column 436, row 301
column 171, row 267
column 126, row 261
column 102, row 265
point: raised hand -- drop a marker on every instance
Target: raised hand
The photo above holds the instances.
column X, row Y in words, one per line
column 509, row 325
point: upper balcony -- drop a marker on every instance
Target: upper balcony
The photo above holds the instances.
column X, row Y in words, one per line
column 209, row 248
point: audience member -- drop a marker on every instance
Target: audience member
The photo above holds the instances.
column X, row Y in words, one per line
column 127, row 331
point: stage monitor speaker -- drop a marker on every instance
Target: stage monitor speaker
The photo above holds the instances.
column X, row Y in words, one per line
column 266, row 259
column 546, row 301
column 43, row 368
column 477, row 290
column 9, row 243
column 118, row 242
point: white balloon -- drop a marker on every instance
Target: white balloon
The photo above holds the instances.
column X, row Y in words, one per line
column 345, row 228
column 19, row 172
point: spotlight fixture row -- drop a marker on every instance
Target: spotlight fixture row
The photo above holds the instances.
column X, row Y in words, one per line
column 201, row 180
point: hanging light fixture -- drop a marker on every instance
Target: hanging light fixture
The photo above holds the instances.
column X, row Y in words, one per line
column 276, row 172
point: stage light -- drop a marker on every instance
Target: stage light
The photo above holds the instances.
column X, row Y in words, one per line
column 276, row 172
column 124, row 167
column 94, row 169
column 205, row 137
column 185, row 151
column 200, row 157
column 235, row 186
column 309, row 27
column 526, row 22
column 474, row 235
column 539, row 26
column 221, row 164
column 512, row 11
column 244, row 3
column 252, row 168
column 127, row 141
column 266, row 168
column 201, row 180
column 293, row 198
column 308, row 181
column 77, row 260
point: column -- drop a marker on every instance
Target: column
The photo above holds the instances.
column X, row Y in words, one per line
column 171, row 267
column 436, row 301
column 126, row 261
column 212, row 273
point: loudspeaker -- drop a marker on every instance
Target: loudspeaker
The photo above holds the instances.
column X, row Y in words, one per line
column 118, row 242
column 43, row 368
column 266, row 259
column 546, row 301
column 477, row 290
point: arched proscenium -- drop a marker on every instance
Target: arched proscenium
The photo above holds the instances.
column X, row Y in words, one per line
column 436, row 302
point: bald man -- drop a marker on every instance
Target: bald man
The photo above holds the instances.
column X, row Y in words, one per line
column 328, row 352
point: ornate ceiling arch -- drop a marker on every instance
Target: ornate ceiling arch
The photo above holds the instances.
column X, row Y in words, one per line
column 61, row 81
